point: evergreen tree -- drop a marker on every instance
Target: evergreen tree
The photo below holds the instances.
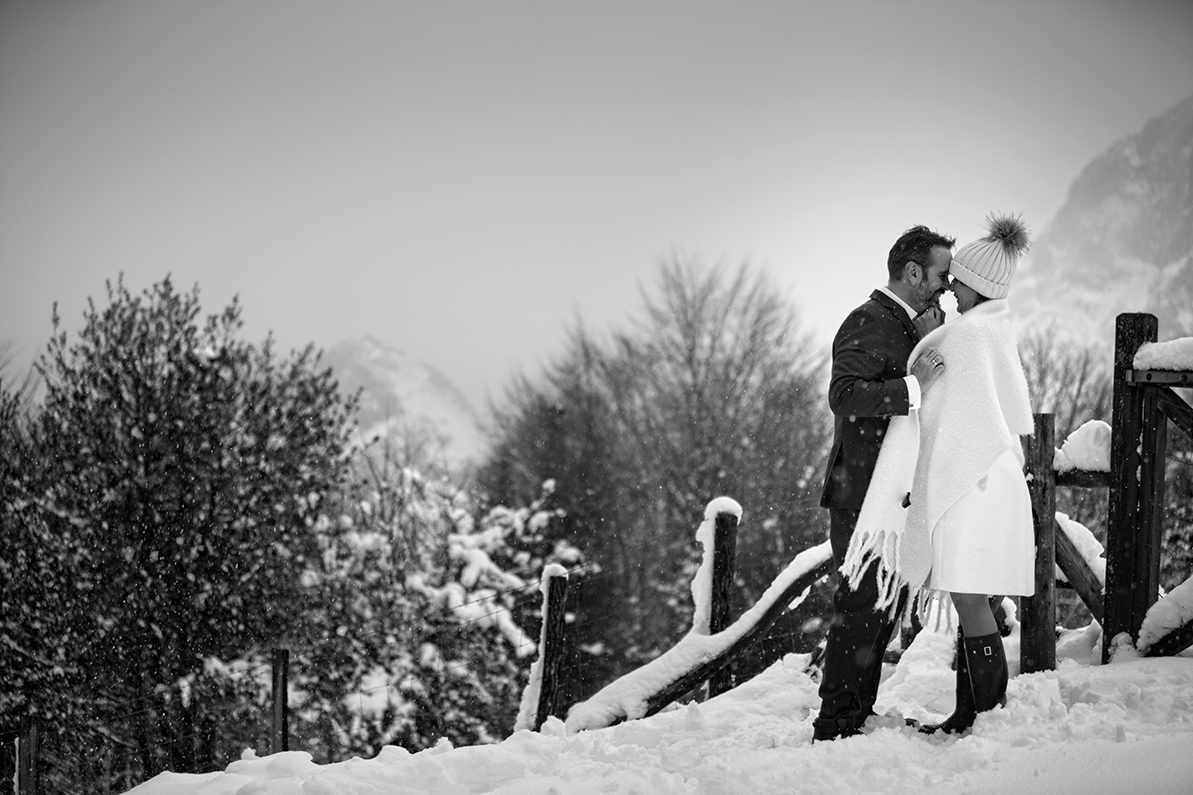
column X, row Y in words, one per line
column 180, row 502
column 169, row 463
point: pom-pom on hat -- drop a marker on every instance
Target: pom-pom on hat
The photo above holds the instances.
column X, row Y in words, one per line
column 988, row 264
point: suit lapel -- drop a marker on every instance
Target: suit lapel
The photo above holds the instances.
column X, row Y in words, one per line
column 900, row 314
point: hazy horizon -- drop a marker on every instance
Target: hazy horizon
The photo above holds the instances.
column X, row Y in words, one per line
column 462, row 180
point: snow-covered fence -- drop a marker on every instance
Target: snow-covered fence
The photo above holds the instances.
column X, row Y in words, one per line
column 702, row 652
column 1081, row 462
column 1129, row 459
column 538, row 699
column 1143, row 403
column 1126, row 456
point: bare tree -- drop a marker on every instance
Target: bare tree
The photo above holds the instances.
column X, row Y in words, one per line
column 713, row 391
column 18, row 392
column 1069, row 380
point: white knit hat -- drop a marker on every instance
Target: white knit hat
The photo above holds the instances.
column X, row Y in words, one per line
column 988, row 264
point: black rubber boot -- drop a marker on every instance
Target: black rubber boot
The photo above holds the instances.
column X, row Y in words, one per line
column 964, row 711
column 987, row 671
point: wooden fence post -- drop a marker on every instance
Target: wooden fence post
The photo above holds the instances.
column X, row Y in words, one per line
column 1037, row 647
column 724, row 563
column 554, row 621
column 1151, row 505
column 281, row 704
column 27, row 753
column 1127, row 562
column 9, row 742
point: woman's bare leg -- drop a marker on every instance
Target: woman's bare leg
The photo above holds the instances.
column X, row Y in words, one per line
column 974, row 611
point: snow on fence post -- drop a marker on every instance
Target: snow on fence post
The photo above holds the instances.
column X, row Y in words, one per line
column 538, row 699
column 554, row 619
column 281, row 706
column 1037, row 650
column 724, row 562
column 1130, row 588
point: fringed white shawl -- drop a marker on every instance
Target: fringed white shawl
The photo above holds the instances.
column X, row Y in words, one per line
column 972, row 413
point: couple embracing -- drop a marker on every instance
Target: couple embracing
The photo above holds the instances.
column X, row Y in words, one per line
column 925, row 485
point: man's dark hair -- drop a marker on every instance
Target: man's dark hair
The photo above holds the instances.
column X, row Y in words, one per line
column 914, row 245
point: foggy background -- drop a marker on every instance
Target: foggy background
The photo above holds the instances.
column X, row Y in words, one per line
column 463, row 179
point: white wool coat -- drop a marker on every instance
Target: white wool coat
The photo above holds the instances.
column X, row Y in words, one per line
column 971, row 415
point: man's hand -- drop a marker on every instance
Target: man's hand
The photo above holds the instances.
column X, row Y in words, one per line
column 928, row 367
column 930, row 319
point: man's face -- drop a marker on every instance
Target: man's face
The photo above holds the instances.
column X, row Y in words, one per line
column 934, row 279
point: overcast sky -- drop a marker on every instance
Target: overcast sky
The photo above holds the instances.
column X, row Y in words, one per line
column 463, row 179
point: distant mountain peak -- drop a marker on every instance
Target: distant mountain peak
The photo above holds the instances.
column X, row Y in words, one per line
column 1123, row 240
column 406, row 399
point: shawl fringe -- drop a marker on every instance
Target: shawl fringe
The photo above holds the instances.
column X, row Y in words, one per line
column 878, row 541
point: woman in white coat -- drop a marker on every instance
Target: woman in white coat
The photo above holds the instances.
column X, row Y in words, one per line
column 948, row 508
column 983, row 542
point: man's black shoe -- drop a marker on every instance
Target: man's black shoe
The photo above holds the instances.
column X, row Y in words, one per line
column 824, row 730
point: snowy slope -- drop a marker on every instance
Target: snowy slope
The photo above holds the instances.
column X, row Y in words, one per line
column 1081, row 730
column 404, row 397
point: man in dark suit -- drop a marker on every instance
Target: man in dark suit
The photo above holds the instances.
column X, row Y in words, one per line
column 869, row 385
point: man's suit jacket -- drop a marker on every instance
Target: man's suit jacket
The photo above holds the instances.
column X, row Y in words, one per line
column 867, row 388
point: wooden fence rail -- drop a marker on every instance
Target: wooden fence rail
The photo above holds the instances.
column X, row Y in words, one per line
column 1081, row 577
column 706, row 669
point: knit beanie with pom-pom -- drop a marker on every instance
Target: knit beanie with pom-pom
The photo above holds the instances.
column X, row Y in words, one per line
column 988, row 264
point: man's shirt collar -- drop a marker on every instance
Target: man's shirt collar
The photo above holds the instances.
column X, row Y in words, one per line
column 911, row 313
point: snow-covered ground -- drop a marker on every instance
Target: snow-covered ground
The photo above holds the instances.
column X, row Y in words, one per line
column 1083, row 729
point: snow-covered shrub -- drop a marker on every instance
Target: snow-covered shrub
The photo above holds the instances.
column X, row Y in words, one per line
column 416, row 609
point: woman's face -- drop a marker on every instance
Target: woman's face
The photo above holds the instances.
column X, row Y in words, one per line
column 967, row 297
